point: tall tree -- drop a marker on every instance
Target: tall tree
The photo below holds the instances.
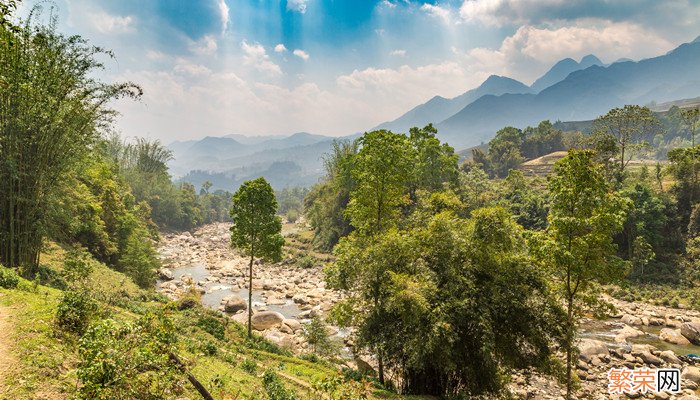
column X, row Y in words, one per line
column 256, row 228
column 382, row 172
column 436, row 163
column 52, row 110
column 578, row 244
column 626, row 131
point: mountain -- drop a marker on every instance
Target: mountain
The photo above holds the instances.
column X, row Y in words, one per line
column 584, row 94
column 228, row 161
column 439, row 108
column 561, row 70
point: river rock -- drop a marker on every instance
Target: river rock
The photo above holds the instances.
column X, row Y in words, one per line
column 631, row 320
column 691, row 373
column 166, row 274
column 670, row 357
column 266, row 320
column 293, row 324
column 591, row 347
column 691, row 331
column 627, row 332
column 673, row 336
column 234, row 304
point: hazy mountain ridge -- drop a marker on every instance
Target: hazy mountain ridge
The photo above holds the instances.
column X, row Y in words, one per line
column 584, row 94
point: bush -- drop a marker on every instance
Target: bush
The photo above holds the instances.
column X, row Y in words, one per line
column 129, row 361
column 209, row 348
column 8, row 278
column 213, row 326
column 305, row 262
column 249, row 366
column 274, row 388
column 75, row 312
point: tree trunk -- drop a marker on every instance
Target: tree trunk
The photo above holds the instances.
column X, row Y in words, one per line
column 569, row 346
column 380, row 361
column 250, row 297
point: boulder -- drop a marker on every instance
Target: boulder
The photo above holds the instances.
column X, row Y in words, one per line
column 234, row 304
column 266, row 320
column 293, row 324
column 627, row 332
column 691, row 373
column 631, row 320
column 166, row 274
column 691, row 331
column 670, row 357
column 673, row 336
column 590, row 347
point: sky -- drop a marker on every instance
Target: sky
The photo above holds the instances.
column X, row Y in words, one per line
column 337, row 67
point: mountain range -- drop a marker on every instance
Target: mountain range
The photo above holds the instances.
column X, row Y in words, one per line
column 569, row 91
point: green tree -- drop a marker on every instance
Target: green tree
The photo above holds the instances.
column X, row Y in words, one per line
column 578, row 244
column 436, row 163
column 381, row 171
column 256, row 228
column 326, row 202
column 625, row 131
column 52, row 109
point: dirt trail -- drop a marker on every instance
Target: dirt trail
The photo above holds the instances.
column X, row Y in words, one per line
column 7, row 360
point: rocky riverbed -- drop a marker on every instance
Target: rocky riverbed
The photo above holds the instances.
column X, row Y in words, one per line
column 286, row 296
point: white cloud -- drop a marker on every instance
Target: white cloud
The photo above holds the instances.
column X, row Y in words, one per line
column 225, row 18
column 530, row 51
column 280, row 48
column 205, row 46
column 398, row 53
column 437, row 11
column 106, row 23
column 256, row 56
column 297, row 5
column 301, row 54
column 185, row 67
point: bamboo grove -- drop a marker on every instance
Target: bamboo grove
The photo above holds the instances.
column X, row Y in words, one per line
column 52, row 110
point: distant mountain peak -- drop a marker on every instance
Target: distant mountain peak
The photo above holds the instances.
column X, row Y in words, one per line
column 697, row 40
column 590, row 60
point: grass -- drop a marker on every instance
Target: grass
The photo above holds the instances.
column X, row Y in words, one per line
column 47, row 359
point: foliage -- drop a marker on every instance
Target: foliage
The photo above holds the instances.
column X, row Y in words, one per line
column 337, row 388
column 274, row 388
column 623, row 132
column 316, row 334
column 213, row 326
column 8, row 278
column 75, row 311
column 444, row 303
column 52, row 111
column 326, row 202
column 577, row 246
column 248, row 366
column 256, row 228
column 130, row 360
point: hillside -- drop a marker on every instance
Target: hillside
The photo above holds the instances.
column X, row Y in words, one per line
column 439, row 108
column 561, row 70
column 583, row 95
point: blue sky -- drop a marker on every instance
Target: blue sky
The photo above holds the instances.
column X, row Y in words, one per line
column 335, row 67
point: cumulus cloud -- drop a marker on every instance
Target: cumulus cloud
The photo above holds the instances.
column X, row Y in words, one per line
column 255, row 55
column 205, row 46
column 297, row 5
column 280, row 48
column 301, row 54
column 225, row 17
column 437, row 11
column 398, row 53
column 111, row 24
column 531, row 50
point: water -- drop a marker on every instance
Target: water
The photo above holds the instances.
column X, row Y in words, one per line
column 216, row 291
column 603, row 331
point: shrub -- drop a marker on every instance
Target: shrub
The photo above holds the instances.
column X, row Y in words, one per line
column 274, row 388
column 316, row 333
column 209, row 348
column 248, row 366
column 8, row 278
column 212, row 325
column 130, row 361
column 75, row 312
column 305, row 262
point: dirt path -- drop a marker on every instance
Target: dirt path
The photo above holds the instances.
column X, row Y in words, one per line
column 7, row 360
